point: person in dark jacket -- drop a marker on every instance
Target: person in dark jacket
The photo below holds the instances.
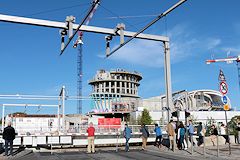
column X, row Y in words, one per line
column 200, row 133
column 145, row 135
column 158, row 131
column 127, row 134
column 214, row 134
column 9, row 136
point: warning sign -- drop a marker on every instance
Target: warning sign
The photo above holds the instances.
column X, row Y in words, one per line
column 221, row 76
column 223, row 88
column 226, row 107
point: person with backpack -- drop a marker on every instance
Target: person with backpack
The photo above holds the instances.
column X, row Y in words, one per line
column 200, row 133
column 191, row 131
column 127, row 135
column 158, row 131
column 181, row 134
column 145, row 135
column 9, row 135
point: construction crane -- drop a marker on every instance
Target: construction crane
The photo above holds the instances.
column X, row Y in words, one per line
column 79, row 43
column 228, row 60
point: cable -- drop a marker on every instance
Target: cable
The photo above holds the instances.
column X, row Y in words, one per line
column 96, row 2
column 57, row 9
column 125, row 17
column 147, row 26
column 117, row 16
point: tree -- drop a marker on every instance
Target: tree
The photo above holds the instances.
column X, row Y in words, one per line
column 232, row 125
column 209, row 123
column 145, row 118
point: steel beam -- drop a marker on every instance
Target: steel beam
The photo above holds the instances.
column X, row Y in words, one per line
column 168, row 84
column 84, row 28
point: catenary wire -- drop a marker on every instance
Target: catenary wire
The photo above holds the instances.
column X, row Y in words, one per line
column 114, row 14
column 57, row 9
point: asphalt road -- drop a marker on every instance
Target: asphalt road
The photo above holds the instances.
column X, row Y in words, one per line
column 100, row 155
column 109, row 153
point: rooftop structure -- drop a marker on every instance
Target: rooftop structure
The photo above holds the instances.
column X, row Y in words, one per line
column 115, row 90
column 197, row 100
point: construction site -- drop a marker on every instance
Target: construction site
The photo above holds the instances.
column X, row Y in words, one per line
column 51, row 104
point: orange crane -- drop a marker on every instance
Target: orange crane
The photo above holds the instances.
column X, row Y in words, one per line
column 228, row 60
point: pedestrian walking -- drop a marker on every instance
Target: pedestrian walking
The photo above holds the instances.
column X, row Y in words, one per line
column 223, row 133
column 171, row 134
column 9, row 136
column 127, row 135
column 238, row 131
column 158, row 131
column 181, row 134
column 200, row 133
column 214, row 134
column 145, row 135
column 190, row 131
column 91, row 133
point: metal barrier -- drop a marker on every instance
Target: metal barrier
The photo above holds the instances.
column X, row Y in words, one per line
column 191, row 136
column 82, row 129
column 217, row 147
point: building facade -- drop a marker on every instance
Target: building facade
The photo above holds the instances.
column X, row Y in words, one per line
column 115, row 90
column 197, row 100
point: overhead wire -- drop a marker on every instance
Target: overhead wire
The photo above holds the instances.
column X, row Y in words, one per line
column 57, row 9
column 127, row 17
column 119, row 17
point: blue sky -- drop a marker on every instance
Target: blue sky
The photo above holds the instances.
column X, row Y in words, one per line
column 198, row 30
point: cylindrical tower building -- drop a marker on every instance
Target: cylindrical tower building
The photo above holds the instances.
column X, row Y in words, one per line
column 115, row 90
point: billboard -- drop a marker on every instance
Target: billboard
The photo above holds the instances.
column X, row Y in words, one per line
column 109, row 122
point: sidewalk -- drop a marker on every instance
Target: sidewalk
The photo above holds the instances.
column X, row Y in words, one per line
column 211, row 152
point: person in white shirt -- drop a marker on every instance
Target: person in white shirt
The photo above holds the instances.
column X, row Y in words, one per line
column 223, row 133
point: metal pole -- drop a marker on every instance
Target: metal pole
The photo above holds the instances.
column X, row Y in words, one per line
column 3, row 108
column 174, row 142
column 84, row 28
column 204, row 149
column 191, row 136
column 117, row 141
column 58, row 117
column 167, row 72
column 217, row 147
column 163, row 110
column 63, row 108
column 229, row 146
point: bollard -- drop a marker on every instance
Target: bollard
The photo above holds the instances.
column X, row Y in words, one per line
column 217, row 147
column 117, row 142
column 191, row 144
column 204, row 151
column 174, row 142
column 51, row 145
